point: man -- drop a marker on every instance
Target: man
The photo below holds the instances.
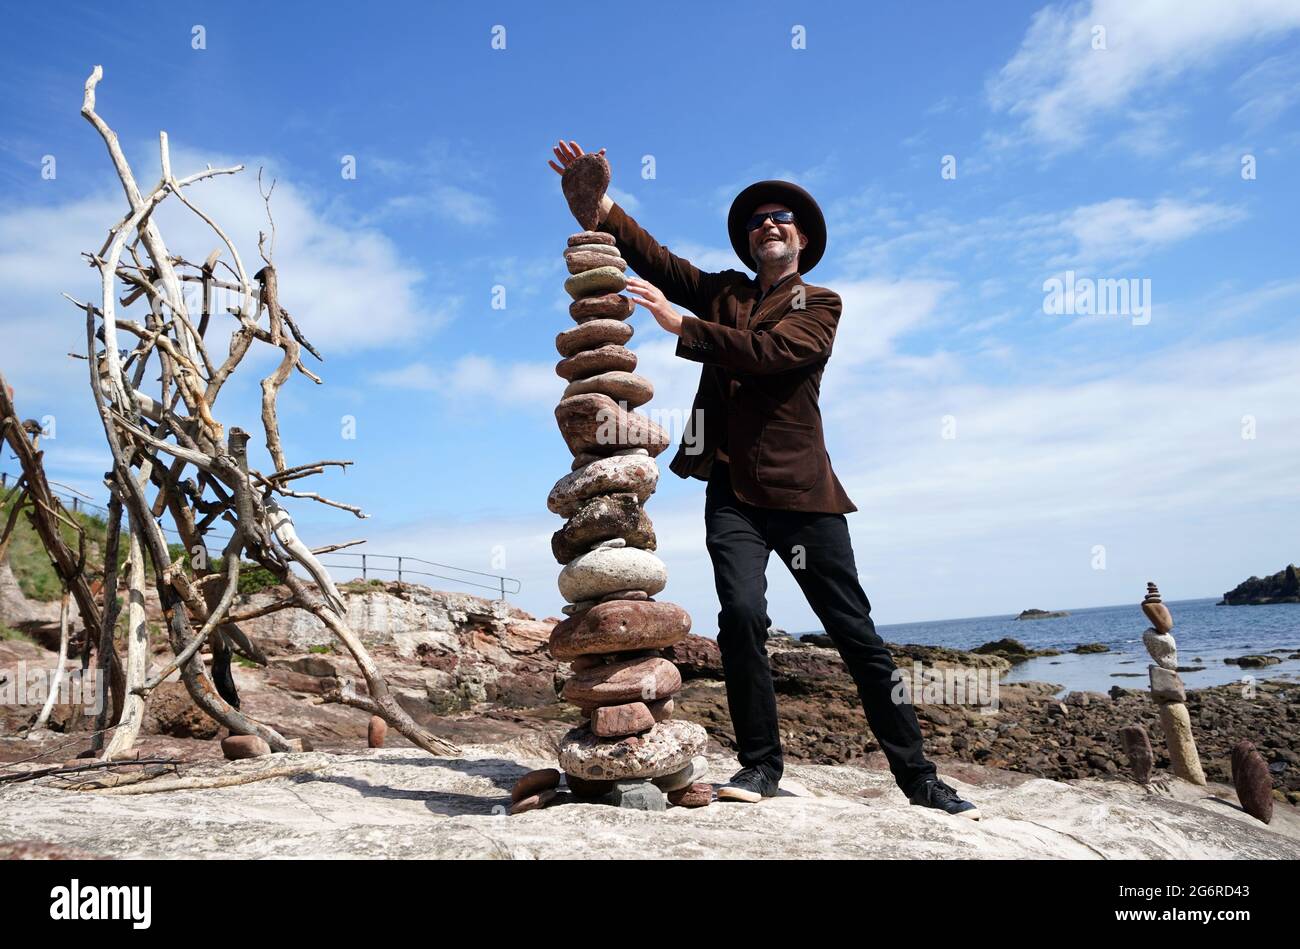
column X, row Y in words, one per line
column 764, row 342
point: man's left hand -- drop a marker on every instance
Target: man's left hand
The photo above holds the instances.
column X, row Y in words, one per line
column 652, row 298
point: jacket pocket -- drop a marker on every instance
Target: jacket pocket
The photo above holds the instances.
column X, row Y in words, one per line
column 789, row 455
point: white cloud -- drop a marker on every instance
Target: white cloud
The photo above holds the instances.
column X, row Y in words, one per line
column 1124, row 227
column 348, row 288
column 1057, row 84
column 473, row 376
column 624, row 199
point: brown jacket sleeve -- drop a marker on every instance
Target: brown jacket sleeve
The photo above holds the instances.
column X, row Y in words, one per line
column 680, row 280
column 801, row 337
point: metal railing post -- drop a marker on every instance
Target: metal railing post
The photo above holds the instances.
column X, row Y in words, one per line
column 363, row 566
column 399, row 569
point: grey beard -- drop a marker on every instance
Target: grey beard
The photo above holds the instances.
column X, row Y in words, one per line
column 787, row 254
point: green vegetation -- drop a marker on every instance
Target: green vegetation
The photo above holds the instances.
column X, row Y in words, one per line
column 35, row 574
column 325, row 650
column 254, row 578
column 9, row 633
column 361, row 586
column 28, row 559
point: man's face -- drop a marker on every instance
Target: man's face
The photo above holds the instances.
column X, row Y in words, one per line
column 774, row 243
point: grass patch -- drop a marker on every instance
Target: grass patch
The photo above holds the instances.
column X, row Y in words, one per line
column 8, row 632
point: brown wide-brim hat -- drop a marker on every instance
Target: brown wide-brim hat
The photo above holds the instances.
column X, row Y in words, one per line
column 807, row 217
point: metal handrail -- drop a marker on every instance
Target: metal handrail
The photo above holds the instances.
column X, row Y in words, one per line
column 502, row 584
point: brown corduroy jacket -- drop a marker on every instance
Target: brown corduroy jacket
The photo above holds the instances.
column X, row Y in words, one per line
column 761, row 376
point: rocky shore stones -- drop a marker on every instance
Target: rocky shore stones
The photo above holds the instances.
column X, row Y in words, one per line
column 1254, row 783
column 590, row 362
column 620, row 386
column 584, row 182
column 1137, row 747
column 612, row 306
column 613, row 721
column 694, row 795
column 590, row 334
column 534, row 782
column 664, row 749
column 600, row 518
column 238, row 747
column 533, row 802
column 595, row 424
column 694, row 771
column 635, row 474
column 617, row 683
column 637, row 795
column 620, row 626
column 597, row 572
column 579, row 260
column 376, row 732
column 599, row 280
column 591, row 237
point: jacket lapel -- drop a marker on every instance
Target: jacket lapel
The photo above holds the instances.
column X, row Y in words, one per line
column 775, row 305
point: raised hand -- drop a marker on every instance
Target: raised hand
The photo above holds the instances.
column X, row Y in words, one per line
column 567, row 152
column 652, row 298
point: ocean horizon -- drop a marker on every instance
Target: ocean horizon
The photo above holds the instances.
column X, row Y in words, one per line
column 1206, row 634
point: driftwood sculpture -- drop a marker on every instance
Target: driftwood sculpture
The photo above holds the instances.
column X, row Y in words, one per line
column 170, row 442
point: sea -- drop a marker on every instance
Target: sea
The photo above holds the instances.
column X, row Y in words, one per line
column 1206, row 634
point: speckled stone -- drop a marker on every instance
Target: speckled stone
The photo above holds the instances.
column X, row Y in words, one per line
column 633, row 474
column 604, row 516
column 597, row 572
column 664, row 749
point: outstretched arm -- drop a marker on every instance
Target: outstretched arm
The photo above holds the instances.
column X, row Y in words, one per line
column 681, row 281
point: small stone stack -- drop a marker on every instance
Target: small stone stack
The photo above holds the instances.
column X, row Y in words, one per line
column 1167, row 689
column 629, row 751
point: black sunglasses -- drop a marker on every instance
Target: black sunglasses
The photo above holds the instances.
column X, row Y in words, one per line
column 780, row 217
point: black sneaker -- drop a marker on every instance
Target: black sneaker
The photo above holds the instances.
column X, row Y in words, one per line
column 750, row 785
column 934, row 793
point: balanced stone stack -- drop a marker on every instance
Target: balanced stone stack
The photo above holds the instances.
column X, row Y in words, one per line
column 1167, row 689
column 629, row 750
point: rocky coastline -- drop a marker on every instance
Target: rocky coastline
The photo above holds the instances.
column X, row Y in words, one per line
column 1281, row 587
column 479, row 671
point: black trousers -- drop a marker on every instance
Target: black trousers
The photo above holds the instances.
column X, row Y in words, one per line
column 817, row 550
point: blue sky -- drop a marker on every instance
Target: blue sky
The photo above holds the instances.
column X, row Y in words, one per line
column 1074, row 434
